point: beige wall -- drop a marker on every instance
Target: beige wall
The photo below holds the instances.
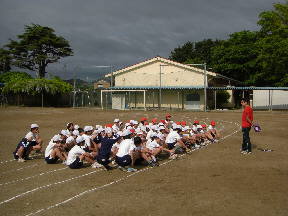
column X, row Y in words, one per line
column 170, row 99
column 149, row 75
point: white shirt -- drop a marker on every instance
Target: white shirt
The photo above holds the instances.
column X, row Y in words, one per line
column 115, row 128
column 126, row 146
column 152, row 144
column 31, row 136
column 75, row 152
column 210, row 127
column 173, row 137
column 49, row 148
column 87, row 139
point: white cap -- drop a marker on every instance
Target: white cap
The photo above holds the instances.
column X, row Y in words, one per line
column 69, row 139
column 34, row 126
column 88, row 128
column 178, row 127
column 98, row 126
column 131, row 121
column 56, row 138
column 199, row 127
column 64, row 133
column 79, row 139
column 116, row 120
column 129, row 128
column 75, row 132
column 127, row 124
column 108, row 130
column 154, row 127
column 161, row 128
column 76, row 127
column 160, row 124
column 126, row 133
column 135, row 122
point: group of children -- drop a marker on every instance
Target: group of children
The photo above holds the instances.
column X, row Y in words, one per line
column 119, row 144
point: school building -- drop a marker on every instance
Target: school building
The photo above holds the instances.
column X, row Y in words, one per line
column 162, row 83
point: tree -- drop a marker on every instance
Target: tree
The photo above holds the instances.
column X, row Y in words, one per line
column 5, row 60
column 273, row 46
column 37, row 47
column 194, row 53
column 236, row 57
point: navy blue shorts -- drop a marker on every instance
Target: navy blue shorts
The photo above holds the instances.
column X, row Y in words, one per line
column 51, row 160
column 76, row 164
column 123, row 161
column 102, row 160
column 171, row 145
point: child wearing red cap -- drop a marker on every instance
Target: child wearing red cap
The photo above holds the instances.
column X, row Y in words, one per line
column 213, row 131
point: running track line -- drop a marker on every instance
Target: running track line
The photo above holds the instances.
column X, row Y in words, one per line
column 46, row 186
column 7, row 161
column 29, row 177
column 114, row 182
column 13, row 170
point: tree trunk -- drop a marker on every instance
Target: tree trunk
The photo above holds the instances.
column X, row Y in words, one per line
column 41, row 72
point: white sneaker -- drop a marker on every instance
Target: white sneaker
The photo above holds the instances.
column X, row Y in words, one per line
column 64, row 162
column 21, row 160
column 173, row 157
column 96, row 165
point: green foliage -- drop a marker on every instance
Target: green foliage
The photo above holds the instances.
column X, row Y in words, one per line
column 14, row 76
column 36, row 86
column 37, row 47
column 255, row 58
column 5, row 60
column 196, row 53
column 222, row 98
column 236, row 57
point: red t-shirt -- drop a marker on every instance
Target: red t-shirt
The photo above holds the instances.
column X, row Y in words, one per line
column 248, row 111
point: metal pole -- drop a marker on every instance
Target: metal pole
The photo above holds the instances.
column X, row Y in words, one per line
column 145, row 100
column 74, row 89
column 160, row 93
column 102, row 99
column 271, row 100
column 178, row 99
column 215, row 95
column 205, row 88
column 42, row 99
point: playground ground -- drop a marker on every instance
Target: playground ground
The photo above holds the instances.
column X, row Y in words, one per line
column 216, row 180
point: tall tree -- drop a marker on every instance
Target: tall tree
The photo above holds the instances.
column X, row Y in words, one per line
column 37, row 47
column 236, row 57
column 5, row 60
column 273, row 46
column 194, row 53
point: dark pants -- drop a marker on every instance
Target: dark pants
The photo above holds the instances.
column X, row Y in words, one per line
column 246, row 145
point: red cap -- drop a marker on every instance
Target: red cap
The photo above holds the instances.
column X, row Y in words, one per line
column 132, row 130
column 168, row 115
column 143, row 119
column 203, row 125
column 196, row 122
column 146, row 123
column 163, row 121
column 183, row 123
column 178, row 123
column 154, row 120
column 109, row 125
column 213, row 123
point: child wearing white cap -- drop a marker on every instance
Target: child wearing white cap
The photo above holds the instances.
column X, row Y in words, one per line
column 173, row 139
column 31, row 141
column 55, row 151
column 77, row 155
column 89, row 146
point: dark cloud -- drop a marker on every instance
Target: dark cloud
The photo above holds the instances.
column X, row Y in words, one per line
column 123, row 32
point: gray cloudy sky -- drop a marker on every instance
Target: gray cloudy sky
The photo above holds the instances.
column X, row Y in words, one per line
column 123, row 32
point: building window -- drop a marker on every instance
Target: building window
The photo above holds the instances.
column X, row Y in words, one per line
column 193, row 97
column 100, row 85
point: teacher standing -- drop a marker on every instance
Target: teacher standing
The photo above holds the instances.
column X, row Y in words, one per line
column 247, row 122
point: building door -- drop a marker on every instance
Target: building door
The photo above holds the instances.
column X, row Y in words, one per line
column 192, row 101
column 118, row 101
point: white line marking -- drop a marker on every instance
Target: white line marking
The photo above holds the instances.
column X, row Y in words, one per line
column 110, row 183
column 29, row 177
column 2, row 162
column 22, row 168
column 46, row 186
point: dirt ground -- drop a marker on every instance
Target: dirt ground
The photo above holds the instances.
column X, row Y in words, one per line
column 216, row 180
